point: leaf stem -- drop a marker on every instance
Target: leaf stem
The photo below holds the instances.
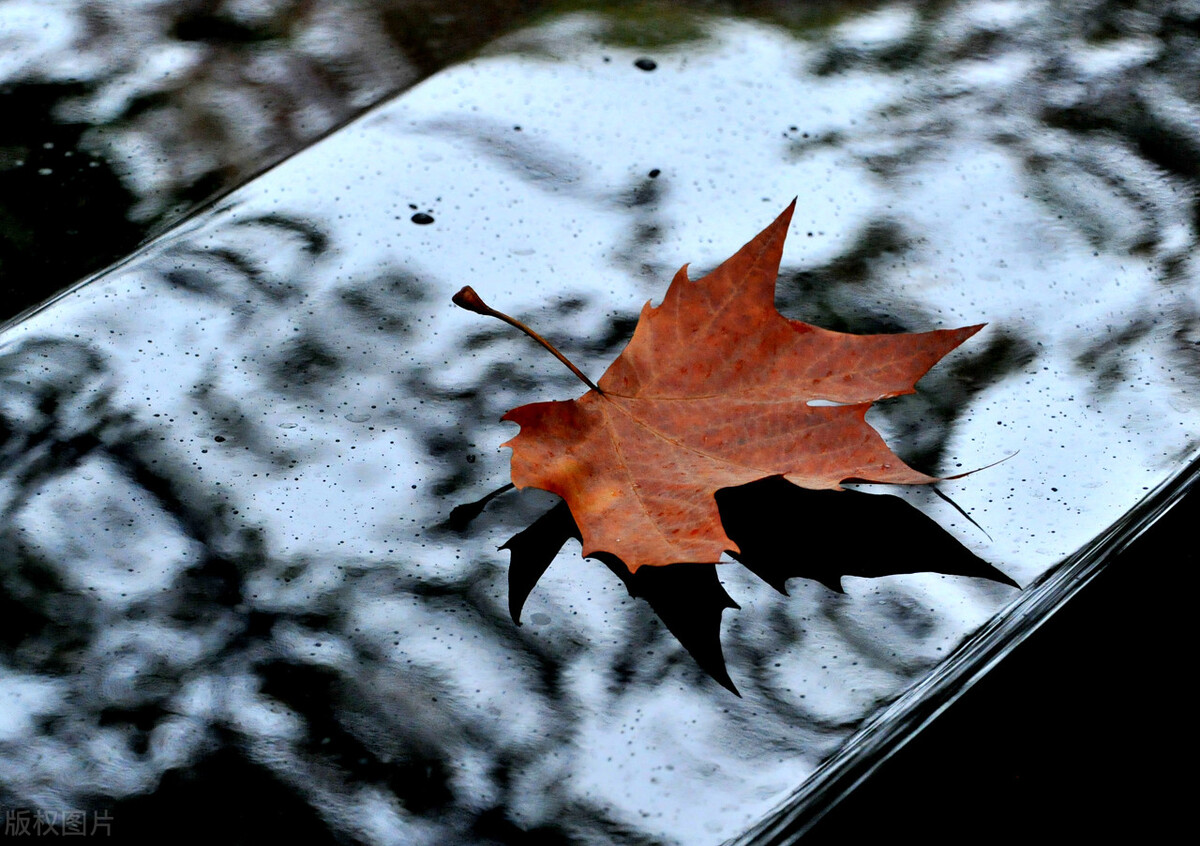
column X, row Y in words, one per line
column 468, row 299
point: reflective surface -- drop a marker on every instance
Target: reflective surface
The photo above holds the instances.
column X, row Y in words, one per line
column 121, row 116
column 225, row 461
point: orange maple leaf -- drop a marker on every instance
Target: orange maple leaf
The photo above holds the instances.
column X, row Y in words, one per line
column 715, row 390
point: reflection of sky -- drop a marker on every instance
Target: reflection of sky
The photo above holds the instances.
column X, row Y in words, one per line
column 292, row 364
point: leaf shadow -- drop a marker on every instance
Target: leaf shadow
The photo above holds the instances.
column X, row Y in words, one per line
column 771, row 522
column 688, row 598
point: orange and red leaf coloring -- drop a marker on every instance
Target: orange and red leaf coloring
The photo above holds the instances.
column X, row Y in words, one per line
column 714, row 391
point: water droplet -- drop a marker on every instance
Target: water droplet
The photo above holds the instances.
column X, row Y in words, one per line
column 288, row 425
column 358, row 418
column 422, row 218
column 645, row 64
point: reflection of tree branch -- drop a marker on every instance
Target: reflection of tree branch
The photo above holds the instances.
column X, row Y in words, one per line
column 315, row 240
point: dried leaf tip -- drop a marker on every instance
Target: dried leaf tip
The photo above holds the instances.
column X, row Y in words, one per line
column 468, row 299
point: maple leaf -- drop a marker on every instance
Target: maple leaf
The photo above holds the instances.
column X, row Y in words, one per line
column 716, row 389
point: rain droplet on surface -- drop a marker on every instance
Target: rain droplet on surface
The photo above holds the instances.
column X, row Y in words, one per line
column 645, row 64
column 422, row 218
